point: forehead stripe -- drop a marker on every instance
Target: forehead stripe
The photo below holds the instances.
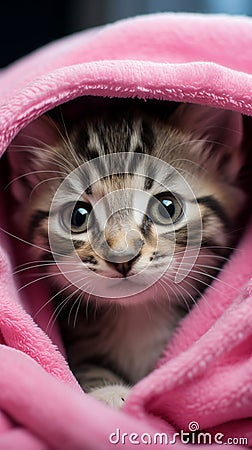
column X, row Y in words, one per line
column 214, row 205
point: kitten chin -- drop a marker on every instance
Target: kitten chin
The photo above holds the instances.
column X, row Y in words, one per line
column 126, row 309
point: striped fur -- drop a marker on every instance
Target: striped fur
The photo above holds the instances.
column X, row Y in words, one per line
column 117, row 342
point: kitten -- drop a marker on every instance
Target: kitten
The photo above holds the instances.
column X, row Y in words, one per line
column 166, row 205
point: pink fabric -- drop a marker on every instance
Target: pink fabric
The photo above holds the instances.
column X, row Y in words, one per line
column 205, row 374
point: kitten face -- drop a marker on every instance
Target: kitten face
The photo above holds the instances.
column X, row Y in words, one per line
column 130, row 219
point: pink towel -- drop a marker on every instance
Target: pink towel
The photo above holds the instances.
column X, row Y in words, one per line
column 204, row 380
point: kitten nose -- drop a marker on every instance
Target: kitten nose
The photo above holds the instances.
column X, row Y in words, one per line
column 122, row 263
column 124, row 267
column 123, row 250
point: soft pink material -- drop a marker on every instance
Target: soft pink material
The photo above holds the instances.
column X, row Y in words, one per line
column 205, row 374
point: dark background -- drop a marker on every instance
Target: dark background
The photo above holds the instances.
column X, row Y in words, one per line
column 29, row 24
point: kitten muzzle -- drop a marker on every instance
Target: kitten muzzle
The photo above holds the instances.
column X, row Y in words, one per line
column 124, row 267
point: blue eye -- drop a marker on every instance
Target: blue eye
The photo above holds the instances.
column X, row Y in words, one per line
column 76, row 218
column 165, row 209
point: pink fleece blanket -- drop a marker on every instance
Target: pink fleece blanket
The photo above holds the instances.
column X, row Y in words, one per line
column 204, row 379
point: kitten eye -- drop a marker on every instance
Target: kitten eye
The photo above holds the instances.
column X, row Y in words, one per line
column 76, row 218
column 165, row 208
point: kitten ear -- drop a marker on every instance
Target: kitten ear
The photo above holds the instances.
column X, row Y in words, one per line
column 28, row 154
column 223, row 132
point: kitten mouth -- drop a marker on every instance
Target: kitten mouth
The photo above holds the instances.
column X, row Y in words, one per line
column 126, row 285
column 119, row 276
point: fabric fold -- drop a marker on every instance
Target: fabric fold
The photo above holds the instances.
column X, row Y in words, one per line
column 204, row 376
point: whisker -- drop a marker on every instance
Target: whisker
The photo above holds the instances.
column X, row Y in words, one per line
column 61, row 306
column 44, row 181
column 65, row 288
column 73, row 305
column 80, row 301
column 172, row 287
column 209, row 247
column 213, row 254
column 209, row 284
column 216, row 268
column 202, row 272
column 33, row 172
column 67, row 140
column 49, row 263
column 181, row 144
column 195, row 141
column 32, row 244
column 58, row 158
column 179, row 296
column 200, row 296
column 49, row 148
column 56, row 313
column 47, row 276
column 87, row 303
column 80, row 298
column 27, row 263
